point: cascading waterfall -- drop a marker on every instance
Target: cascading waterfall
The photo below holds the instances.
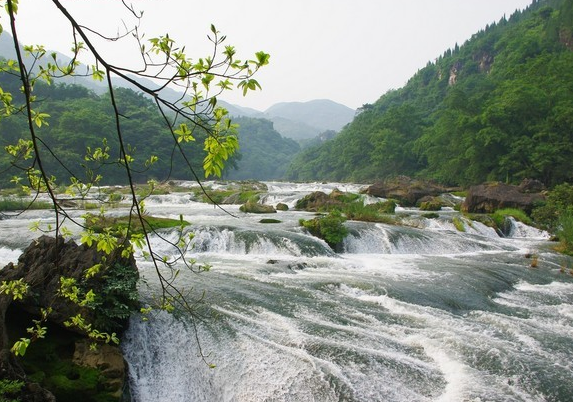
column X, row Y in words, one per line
column 422, row 312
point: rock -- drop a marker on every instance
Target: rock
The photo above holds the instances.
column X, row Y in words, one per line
column 281, row 207
column 487, row 198
column 408, row 192
column 41, row 265
column 434, row 204
column 108, row 360
column 531, row 186
column 256, row 208
column 318, row 200
column 269, row 221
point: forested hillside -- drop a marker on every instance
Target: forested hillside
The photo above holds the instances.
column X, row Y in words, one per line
column 500, row 107
column 80, row 118
column 264, row 154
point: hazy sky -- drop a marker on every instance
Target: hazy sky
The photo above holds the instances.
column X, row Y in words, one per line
column 349, row 51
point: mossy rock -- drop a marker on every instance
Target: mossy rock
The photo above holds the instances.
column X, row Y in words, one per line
column 267, row 220
column 256, row 208
column 49, row 362
column 434, row 205
column 282, row 207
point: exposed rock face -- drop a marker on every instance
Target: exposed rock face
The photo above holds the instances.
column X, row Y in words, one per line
column 42, row 265
column 256, row 208
column 487, row 198
column 485, row 61
column 454, row 72
column 408, row 192
column 108, row 360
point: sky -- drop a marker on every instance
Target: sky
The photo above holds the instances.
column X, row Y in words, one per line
column 351, row 52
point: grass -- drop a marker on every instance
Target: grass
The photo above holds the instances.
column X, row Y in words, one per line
column 97, row 223
column 19, row 204
column 500, row 215
column 459, row 224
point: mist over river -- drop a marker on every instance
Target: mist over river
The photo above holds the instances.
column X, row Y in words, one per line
column 405, row 313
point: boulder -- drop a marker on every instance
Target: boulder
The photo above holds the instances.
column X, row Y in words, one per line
column 281, row 207
column 489, row 197
column 256, row 208
column 430, row 204
column 319, row 201
column 108, row 360
column 531, row 186
column 408, row 192
column 41, row 265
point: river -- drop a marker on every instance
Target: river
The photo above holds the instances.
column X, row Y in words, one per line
column 405, row 313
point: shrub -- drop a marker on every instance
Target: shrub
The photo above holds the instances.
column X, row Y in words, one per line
column 565, row 232
column 116, row 297
column 500, row 215
column 19, row 204
column 434, row 205
column 9, row 390
column 330, row 228
column 559, row 201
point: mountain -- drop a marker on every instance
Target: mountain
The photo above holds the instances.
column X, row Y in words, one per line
column 321, row 113
column 496, row 108
column 263, row 153
column 299, row 121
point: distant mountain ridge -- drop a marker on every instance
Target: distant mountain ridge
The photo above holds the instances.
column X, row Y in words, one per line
column 320, row 113
column 300, row 120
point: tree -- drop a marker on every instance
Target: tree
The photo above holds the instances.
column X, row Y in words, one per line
column 194, row 115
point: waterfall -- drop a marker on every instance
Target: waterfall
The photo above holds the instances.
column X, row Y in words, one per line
column 431, row 310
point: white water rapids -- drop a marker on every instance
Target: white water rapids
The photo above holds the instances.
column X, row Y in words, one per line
column 424, row 313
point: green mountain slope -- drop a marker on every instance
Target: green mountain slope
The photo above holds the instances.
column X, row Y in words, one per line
column 263, row 154
column 500, row 107
column 80, row 118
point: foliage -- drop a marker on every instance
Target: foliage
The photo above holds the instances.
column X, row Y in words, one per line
column 556, row 215
column 20, row 204
column 459, row 224
column 118, row 224
column 9, row 390
column 121, row 135
column 497, row 108
column 371, row 212
column 434, row 205
column 116, row 297
column 50, row 365
column 329, row 227
column 559, row 201
column 500, row 215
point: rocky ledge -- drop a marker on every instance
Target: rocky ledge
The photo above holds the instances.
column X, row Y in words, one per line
column 489, row 197
column 61, row 366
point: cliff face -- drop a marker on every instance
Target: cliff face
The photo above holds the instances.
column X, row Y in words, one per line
column 42, row 265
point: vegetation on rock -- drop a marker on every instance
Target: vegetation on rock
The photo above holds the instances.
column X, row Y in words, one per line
column 329, row 227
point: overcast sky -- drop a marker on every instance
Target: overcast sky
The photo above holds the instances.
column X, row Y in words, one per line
column 351, row 52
